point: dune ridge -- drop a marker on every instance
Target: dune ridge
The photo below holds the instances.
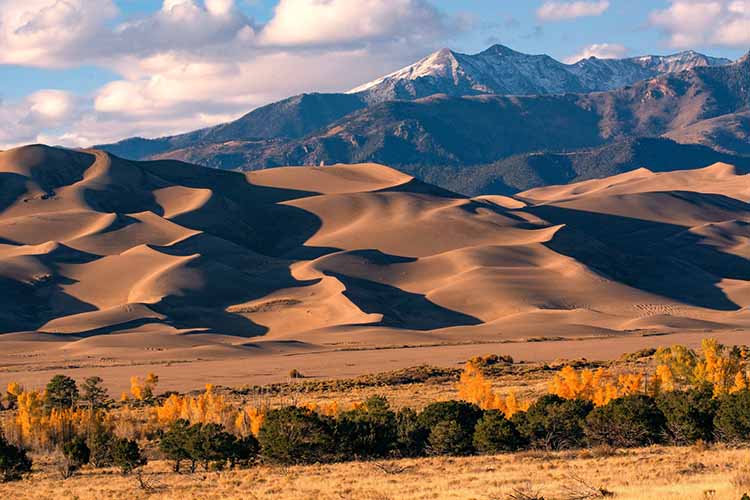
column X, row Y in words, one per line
column 101, row 253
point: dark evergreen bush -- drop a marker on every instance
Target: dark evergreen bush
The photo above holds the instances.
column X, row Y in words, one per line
column 295, row 435
column 174, row 443
column 411, row 437
column 495, row 434
column 62, row 392
column 732, row 420
column 626, row 422
column 127, row 456
column 690, row 414
column 243, row 451
column 369, row 431
column 14, row 462
column 554, row 423
column 444, row 437
column 100, row 441
column 448, row 437
column 76, row 454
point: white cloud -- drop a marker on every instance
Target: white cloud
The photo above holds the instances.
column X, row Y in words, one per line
column 195, row 63
column 599, row 50
column 48, row 109
column 559, row 11
column 687, row 23
column 345, row 21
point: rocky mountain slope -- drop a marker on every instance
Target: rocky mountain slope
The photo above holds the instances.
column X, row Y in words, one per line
column 501, row 70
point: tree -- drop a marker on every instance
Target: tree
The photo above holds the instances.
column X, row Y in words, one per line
column 93, row 394
column 554, row 423
column 294, row 435
column 733, row 417
column 127, row 456
column 448, row 437
column 243, row 451
column 463, row 414
column 101, row 441
column 690, row 414
column 174, row 443
column 367, row 431
column 495, row 434
column 62, row 393
column 626, row 422
column 411, row 437
column 210, row 445
column 76, row 454
column 14, row 462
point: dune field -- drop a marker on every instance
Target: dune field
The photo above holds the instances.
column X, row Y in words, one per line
column 107, row 265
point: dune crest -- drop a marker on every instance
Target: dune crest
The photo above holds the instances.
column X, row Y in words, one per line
column 92, row 245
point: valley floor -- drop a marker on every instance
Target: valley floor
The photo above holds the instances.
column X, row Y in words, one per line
column 657, row 473
column 32, row 364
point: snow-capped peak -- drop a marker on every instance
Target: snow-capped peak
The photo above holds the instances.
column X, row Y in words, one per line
column 502, row 70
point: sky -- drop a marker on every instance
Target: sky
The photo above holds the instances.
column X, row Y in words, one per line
column 85, row 72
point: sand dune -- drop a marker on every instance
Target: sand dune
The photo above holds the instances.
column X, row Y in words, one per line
column 163, row 260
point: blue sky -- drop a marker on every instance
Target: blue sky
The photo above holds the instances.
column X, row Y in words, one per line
column 86, row 71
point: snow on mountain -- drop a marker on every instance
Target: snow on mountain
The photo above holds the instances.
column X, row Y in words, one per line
column 501, row 70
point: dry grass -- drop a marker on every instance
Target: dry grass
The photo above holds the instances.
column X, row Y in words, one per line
column 643, row 474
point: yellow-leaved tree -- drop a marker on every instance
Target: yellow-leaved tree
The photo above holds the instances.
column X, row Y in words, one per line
column 473, row 387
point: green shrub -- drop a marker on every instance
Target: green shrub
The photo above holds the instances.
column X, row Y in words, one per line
column 174, row 443
column 495, row 434
column 448, row 437
column 76, row 454
column 443, row 437
column 411, row 437
column 62, row 392
column 295, row 435
column 554, row 423
column 626, row 422
column 14, row 462
column 369, row 431
column 127, row 456
column 243, row 451
column 732, row 420
column 690, row 414
column 100, row 441
column 210, row 445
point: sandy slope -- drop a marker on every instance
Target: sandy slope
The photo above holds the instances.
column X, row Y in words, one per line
column 104, row 259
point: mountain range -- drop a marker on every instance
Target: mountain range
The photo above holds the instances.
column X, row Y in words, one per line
column 457, row 112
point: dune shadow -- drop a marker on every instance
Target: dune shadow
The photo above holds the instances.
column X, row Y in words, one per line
column 400, row 309
column 661, row 258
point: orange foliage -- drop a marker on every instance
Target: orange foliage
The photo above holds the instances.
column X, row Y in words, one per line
column 474, row 388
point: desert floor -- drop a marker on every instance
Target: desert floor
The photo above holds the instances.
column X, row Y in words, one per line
column 639, row 474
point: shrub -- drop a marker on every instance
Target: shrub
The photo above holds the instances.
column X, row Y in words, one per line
column 494, row 434
column 411, row 437
column 460, row 413
column 690, row 414
column 295, row 435
column 243, row 451
column 554, row 423
column 448, row 437
column 14, row 462
column 175, row 443
column 732, row 420
column 93, row 394
column 76, row 454
column 210, row 444
column 625, row 422
column 368, row 431
column 127, row 456
column 100, row 442
column 62, row 392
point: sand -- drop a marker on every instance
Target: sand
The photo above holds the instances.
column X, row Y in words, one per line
column 115, row 267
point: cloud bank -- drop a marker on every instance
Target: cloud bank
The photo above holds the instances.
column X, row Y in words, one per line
column 197, row 63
